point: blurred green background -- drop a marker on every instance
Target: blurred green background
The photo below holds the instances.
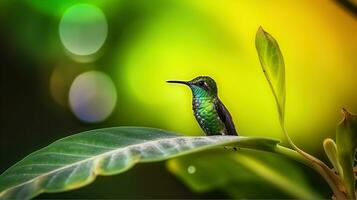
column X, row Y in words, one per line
column 69, row 66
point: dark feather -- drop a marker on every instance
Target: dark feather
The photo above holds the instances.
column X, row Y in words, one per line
column 226, row 118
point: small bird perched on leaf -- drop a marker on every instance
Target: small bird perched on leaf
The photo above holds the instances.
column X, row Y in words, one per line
column 209, row 111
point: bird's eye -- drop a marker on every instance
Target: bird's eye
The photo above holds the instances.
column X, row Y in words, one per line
column 201, row 83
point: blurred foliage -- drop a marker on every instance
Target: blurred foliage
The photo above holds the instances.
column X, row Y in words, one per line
column 244, row 174
column 149, row 42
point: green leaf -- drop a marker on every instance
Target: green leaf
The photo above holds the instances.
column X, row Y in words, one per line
column 75, row 161
column 346, row 142
column 243, row 174
column 272, row 62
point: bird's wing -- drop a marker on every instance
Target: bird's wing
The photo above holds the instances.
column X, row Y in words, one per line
column 226, row 118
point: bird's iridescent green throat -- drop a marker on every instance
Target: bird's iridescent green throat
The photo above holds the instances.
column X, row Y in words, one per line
column 209, row 111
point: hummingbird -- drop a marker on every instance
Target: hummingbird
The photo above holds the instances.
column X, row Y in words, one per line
column 210, row 113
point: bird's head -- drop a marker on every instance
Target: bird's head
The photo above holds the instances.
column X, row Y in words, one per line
column 200, row 84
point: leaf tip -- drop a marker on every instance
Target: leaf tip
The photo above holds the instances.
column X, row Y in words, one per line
column 346, row 114
column 327, row 142
column 260, row 31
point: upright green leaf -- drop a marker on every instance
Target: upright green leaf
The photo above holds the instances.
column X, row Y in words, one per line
column 272, row 62
column 243, row 174
column 75, row 161
column 346, row 142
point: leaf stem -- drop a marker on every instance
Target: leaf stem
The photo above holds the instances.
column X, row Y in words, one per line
column 330, row 177
column 290, row 153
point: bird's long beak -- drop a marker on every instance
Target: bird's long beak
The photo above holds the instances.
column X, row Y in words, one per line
column 180, row 82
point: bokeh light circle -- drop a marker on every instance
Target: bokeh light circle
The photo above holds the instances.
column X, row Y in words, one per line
column 92, row 96
column 61, row 79
column 191, row 169
column 83, row 29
